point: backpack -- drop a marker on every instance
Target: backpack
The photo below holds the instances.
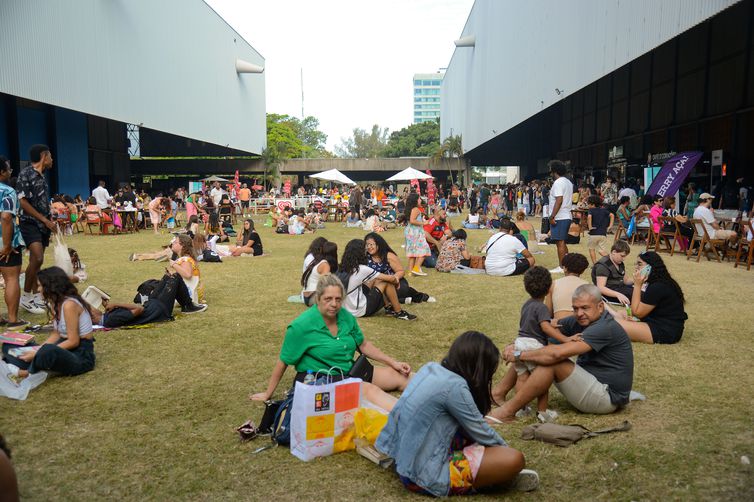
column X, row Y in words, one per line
column 276, row 420
column 210, row 256
column 144, row 291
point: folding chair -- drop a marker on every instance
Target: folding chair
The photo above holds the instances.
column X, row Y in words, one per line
column 745, row 246
column 620, row 230
column 93, row 220
column 704, row 241
column 668, row 230
column 652, row 238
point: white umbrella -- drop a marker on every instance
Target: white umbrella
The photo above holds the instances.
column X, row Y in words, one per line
column 410, row 174
column 333, row 175
column 214, row 178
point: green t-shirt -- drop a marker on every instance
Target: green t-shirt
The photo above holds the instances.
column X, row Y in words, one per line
column 309, row 345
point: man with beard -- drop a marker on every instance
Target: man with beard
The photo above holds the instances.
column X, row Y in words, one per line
column 436, row 230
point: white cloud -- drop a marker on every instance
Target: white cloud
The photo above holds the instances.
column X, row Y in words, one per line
column 358, row 56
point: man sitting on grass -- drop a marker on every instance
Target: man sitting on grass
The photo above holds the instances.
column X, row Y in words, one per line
column 600, row 380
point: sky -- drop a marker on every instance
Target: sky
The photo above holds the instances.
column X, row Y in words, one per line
column 358, row 56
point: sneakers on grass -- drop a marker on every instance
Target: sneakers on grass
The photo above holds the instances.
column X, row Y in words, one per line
column 404, row 316
column 194, row 308
column 556, row 270
column 527, row 480
column 524, row 412
column 547, row 416
column 33, row 304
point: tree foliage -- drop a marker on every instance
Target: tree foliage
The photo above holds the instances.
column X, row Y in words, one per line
column 416, row 140
column 363, row 144
column 289, row 137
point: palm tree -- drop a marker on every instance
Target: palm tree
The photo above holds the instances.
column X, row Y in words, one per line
column 451, row 147
column 273, row 156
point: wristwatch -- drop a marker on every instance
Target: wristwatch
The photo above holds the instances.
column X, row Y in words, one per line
column 517, row 355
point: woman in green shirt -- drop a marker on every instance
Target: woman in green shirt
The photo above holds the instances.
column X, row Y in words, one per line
column 327, row 336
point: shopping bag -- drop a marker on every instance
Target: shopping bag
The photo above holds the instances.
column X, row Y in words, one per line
column 18, row 390
column 62, row 257
column 631, row 227
column 369, row 422
column 322, row 418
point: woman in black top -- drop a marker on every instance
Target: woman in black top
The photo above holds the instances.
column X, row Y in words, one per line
column 659, row 307
column 249, row 242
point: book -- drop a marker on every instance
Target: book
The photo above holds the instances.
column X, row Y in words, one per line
column 16, row 338
column 18, row 351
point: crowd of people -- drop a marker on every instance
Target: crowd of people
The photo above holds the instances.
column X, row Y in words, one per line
column 439, row 431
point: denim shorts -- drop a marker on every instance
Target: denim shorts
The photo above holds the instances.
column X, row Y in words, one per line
column 559, row 230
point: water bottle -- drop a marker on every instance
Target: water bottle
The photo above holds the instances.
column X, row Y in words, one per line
column 309, row 378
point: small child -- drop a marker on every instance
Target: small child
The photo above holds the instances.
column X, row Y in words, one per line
column 79, row 269
column 534, row 329
column 599, row 220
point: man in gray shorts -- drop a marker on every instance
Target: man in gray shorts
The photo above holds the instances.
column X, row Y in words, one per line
column 600, row 380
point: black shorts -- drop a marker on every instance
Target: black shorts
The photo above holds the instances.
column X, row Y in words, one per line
column 375, row 301
column 308, row 300
column 522, row 265
column 14, row 260
column 661, row 333
column 31, row 233
column 244, row 204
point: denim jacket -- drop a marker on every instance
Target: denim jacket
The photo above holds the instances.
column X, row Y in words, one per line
column 436, row 403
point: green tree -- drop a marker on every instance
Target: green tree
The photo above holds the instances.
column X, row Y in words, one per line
column 296, row 138
column 363, row 144
column 416, row 140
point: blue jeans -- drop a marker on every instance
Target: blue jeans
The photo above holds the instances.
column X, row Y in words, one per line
column 431, row 260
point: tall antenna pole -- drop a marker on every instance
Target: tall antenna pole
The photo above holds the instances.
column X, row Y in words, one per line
column 302, row 94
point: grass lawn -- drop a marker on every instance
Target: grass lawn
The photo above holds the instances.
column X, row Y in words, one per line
column 156, row 418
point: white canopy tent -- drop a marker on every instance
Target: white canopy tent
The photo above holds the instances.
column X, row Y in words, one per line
column 333, row 175
column 213, row 179
column 409, row 174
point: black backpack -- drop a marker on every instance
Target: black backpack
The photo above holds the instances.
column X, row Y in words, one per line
column 145, row 289
column 211, row 257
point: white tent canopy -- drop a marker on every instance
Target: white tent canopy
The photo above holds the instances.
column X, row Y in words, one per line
column 213, row 179
column 333, row 175
column 410, row 174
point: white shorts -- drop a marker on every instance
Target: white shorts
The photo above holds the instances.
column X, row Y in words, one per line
column 586, row 393
column 524, row 344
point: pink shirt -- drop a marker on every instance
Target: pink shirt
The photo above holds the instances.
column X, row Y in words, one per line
column 654, row 215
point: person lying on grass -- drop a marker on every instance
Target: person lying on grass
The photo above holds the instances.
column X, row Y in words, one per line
column 158, row 308
column 600, row 380
column 69, row 350
column 325, row 337
column 436, row 431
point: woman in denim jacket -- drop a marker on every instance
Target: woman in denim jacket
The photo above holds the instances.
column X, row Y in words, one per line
column 437, row 433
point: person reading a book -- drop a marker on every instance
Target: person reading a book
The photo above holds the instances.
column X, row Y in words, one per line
column 157, row 308
column 324, row 340
column 437, row 434
column 69, row 350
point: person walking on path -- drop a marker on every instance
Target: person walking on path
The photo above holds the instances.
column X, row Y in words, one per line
column 35, row 223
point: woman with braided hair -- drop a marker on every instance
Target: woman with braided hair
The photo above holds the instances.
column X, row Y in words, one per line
column 659, row 307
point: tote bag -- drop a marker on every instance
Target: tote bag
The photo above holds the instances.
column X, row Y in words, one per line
column 322, row 418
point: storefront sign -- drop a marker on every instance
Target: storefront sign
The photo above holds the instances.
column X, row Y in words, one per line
column 673, row 172
column 659, row 157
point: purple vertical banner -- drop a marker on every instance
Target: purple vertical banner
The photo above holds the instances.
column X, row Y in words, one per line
column 670, row 178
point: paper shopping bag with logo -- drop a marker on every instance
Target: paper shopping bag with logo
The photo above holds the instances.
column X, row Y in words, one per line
column 322, row 418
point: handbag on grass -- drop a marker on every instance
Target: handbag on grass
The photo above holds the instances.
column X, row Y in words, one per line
column 362, row 368
column 566, row 435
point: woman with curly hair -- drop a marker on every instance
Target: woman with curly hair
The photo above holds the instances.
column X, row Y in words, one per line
column 416, row 242
column 382, row 258
column 659, row 308
column 69, row 350
column 367, row 291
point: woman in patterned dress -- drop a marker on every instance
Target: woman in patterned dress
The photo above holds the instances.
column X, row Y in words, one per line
column 416, row 243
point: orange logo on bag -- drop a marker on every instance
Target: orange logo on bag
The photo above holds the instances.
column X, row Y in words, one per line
column 347, row 396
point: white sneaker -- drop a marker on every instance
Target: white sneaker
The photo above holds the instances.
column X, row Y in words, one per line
column 31, row 306
column 556, row 270
column 527, row 480
column 431, row 299
column 524, row 412
column 547, row 416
